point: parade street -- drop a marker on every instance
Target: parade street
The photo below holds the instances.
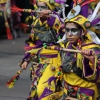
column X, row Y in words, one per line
column 11, row 52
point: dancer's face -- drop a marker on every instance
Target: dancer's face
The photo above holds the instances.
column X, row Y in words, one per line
column 73, row 33
column 42, row 6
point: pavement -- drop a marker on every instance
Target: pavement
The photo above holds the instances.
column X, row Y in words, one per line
column 11, row 52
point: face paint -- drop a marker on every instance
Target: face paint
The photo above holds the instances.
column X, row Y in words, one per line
column 42, row 6
column 72, row 31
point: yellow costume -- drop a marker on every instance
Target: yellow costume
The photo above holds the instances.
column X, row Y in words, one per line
column 81, row 83
column 46, row 63
column 81, row 78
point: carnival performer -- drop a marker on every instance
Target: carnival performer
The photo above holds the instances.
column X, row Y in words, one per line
column 6, row 13
column 46, row 29
column 14, row 19
column 81, row 71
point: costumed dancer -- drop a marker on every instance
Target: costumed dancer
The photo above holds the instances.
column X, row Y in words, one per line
column 81, row 71
column 3, row 6
column 46, row 63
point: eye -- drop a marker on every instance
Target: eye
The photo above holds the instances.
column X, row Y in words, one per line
column 74, row 30
column 67, row 29
column 43, row 7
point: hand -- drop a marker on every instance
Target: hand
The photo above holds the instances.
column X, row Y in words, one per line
column 24, row 65
column 44, row 13
column 89, row 54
